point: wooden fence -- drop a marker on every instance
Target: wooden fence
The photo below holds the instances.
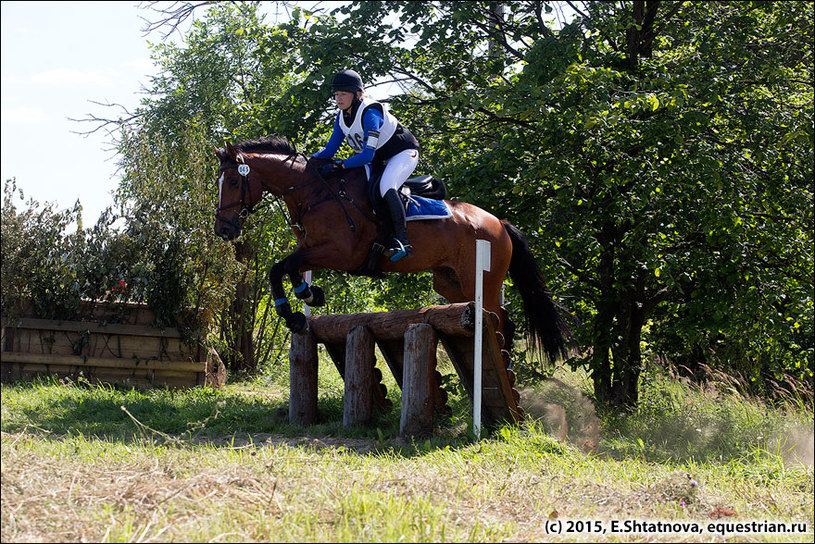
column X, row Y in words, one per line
column 407, row 340
column 112, row 343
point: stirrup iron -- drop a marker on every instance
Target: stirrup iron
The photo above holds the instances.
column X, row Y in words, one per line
column 404, row 250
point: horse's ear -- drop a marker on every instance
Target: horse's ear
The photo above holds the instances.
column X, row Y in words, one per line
column 231, row 151
column 219, row 153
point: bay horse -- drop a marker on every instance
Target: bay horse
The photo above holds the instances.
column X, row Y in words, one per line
column 334, row 222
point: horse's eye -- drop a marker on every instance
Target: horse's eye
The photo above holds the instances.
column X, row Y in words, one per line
column 233, row 182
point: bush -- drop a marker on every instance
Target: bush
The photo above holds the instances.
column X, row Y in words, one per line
column 51, row 264
column 43, row 264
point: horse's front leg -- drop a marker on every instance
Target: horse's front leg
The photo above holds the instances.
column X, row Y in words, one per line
column 295, row 321
column 310, row 294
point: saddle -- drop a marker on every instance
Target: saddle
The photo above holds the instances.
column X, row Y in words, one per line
column 425, row 186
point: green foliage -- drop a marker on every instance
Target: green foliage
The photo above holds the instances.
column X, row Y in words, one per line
column 51, row 264
column 51, row 271
column 40, row 261
column 200, row 463
column 709, row 421
column 226, row 82
column 181, row 267
column 234, row 78
column 660, row 163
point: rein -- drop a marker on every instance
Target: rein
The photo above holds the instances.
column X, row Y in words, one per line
column 338, row 195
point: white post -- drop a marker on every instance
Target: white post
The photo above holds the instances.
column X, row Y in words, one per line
column 307, row 278
column 482, row 264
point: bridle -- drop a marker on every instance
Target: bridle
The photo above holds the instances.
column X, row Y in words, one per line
column 246, row 209
column 246, row 189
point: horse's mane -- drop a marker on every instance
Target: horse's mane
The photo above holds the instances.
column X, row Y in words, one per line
column 268, row 144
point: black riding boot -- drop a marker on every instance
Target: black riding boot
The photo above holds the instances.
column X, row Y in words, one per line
column 401, row 247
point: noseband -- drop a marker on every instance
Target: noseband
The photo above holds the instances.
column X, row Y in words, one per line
column 243, row 170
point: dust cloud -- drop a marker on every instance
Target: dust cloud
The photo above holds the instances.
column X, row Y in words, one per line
column 796, row 446
column 564, row 412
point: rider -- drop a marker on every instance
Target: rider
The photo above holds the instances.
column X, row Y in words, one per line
column 380, row 142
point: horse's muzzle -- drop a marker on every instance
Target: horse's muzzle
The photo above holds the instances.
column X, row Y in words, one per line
column 227, row 232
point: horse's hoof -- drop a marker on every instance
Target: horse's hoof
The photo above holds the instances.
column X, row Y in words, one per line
column 317, row 297
column 296, row 322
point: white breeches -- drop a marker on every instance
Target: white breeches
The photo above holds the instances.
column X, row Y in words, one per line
column 397, row 170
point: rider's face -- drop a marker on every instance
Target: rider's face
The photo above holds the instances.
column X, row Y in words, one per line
column 343, row 99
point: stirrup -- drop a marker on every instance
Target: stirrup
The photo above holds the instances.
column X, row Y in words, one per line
column 403, row 250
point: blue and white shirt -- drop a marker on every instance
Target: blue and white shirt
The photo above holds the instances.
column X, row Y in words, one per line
column 370, row 130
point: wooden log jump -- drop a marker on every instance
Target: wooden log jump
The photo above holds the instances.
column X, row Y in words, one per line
column 407, row 340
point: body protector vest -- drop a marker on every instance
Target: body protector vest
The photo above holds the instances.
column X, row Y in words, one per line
column 355, row 134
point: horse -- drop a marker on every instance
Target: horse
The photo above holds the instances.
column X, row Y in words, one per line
column 334, row 222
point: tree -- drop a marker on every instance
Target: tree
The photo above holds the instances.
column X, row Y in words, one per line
column 225, row 83
column 233, row 78
column 659, row 155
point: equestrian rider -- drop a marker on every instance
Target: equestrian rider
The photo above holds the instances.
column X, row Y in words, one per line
column 381, row 142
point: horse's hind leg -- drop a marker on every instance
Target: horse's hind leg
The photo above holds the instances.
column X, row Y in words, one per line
column 446, row 283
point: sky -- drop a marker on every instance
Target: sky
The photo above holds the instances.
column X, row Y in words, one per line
column 58, row 57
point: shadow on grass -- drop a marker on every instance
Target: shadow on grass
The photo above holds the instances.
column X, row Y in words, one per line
column 674, row 426
column 226, row 417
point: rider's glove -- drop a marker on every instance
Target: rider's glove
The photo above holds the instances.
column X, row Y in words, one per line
column 330, row 168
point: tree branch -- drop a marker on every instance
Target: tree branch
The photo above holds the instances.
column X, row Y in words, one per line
column 104, row 123
column 172, row 16
column 541, row 24
column 585, row 278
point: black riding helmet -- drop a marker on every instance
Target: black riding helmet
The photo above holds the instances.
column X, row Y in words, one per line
column 347, row 81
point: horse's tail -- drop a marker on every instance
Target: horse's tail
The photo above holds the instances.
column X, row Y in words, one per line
column 548, row 333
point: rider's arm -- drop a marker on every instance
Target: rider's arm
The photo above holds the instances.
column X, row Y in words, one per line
column 372, row 121
column 334, row 142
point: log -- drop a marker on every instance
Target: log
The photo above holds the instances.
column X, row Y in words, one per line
column 303, row 379
column 393, row 353
column 100, row 344
column 337, row 354
column 124, row 376
column 499, row 400
column 359, row 384
column 451, row 319
column 494, row 358
column 133, row 313
column 216, row 370
column 418, row 381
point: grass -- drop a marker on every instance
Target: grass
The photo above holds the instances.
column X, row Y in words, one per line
column 225, row 465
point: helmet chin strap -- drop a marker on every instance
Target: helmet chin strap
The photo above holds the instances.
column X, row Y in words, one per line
column 352, row 109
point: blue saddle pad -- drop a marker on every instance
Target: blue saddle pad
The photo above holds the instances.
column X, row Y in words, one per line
column 426, row 208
